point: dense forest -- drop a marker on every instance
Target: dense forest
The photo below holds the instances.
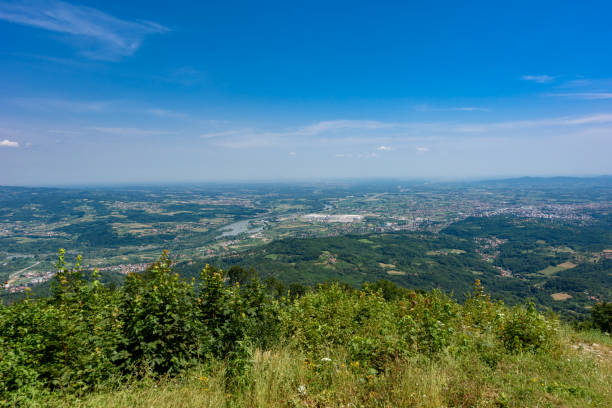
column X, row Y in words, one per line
column 451, row 260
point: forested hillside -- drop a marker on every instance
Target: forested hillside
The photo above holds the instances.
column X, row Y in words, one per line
column 516, row 258
column 564, row 266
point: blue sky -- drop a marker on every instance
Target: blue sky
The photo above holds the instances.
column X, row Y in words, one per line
column 127, row 92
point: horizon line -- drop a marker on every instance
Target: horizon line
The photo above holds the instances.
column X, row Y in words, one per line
column 271, row 181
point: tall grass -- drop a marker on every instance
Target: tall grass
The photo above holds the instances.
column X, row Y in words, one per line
column 285, row 377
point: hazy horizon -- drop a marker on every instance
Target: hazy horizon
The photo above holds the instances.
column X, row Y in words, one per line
column 301, row 181
column 105, row 93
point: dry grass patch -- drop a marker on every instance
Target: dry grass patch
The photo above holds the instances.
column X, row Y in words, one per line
column 386, row 266
column 551, row 270
column 567, row 265
column 561, row 296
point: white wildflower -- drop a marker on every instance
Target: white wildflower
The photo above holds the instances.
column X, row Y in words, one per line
column 302, row 390
column 326, row 359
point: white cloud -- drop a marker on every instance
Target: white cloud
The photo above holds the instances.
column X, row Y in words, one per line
column 585, row 95
column 8, row 143
column 248, row 142
column 429, row 108
column 588, row 84
column 240, row 138
column 586, row 120
column 291, row 153
column 389, row 135
column 130, row 131
column 63, row 104
column 185, row 76
column 226, row 133
column 422, row 149
column 332, row 125
column 367, row 155
column 521, row 124
column 371, row 155
column 55, row 60
column 469, row 109
column 97, row 34
column 165, row 113
column 540, row 79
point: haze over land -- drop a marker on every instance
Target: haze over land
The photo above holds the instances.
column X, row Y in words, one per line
column 99, row 92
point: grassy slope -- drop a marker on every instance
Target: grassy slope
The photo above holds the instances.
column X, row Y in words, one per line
column 578, row 375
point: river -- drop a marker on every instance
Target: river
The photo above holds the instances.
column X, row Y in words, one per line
column 237, row 228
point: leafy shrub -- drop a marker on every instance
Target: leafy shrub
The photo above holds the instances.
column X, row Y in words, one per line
column 18, row 368
column 321, row 321
column 88, row 328
column 427, row 321
column 376, row 331
column 482, row 320
column 159, row 319
column 67, row 342
column 235, row 313
column 480, row 313
column 375, row 351
column 390, row 290
column 526, row 330
column 602, row 316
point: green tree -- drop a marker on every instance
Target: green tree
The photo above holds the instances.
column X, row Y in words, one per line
column 160, row 319
column 602, row 316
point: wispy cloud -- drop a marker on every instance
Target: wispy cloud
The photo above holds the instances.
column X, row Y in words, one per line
column 257, row 141
column 126, row 131
column 540, row 79
column 55, row 60
column 367, row 155
column 371, row 155
column 429, row 108
column 101, row 106
column 166, row 113
column 587, row 120
column 598, row 118
column 332, row 125
column 8, row 143
column 98, row 35
column 585, row 95
column 186, row 76
column 63, row 104
column 388, row 135
column 226, row 133
column 469, row 109
column 588, row 84
column 239, row 138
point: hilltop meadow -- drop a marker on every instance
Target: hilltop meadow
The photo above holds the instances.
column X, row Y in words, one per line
column 226, row 339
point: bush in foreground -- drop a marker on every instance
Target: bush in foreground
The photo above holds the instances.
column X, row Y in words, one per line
column 88, row 338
